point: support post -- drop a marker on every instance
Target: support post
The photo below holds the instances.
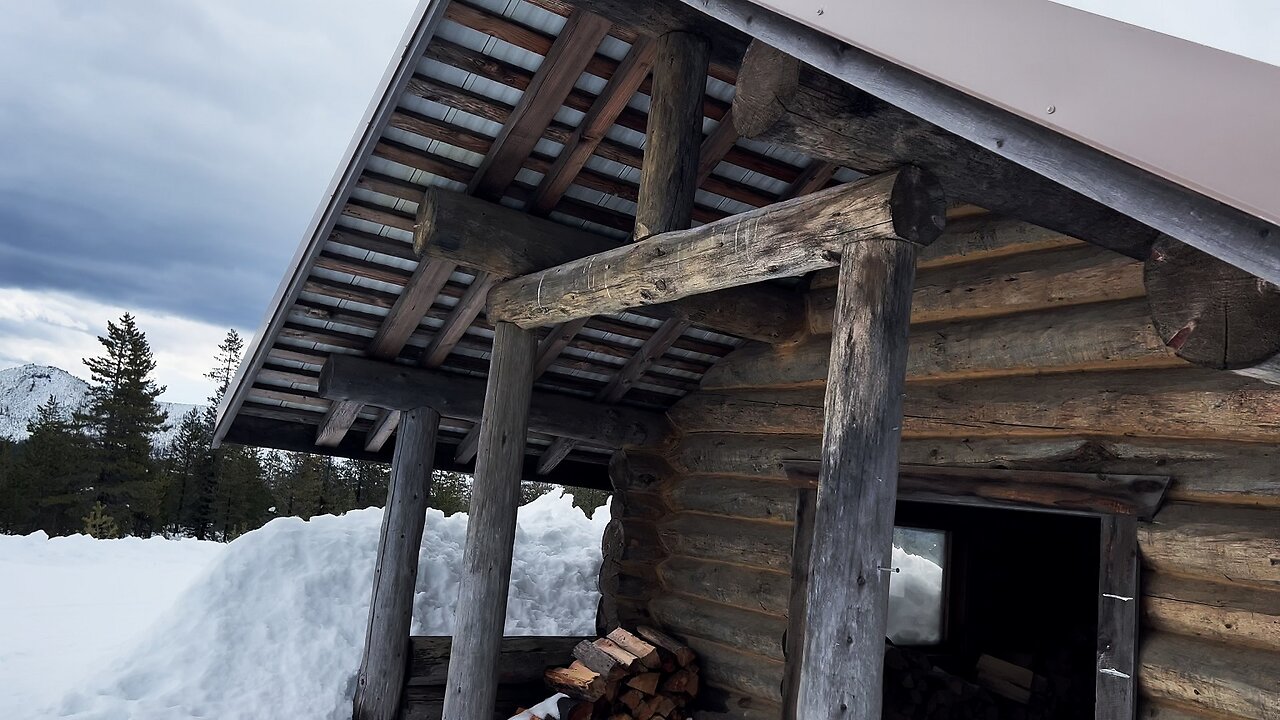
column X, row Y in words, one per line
column 843, row 663
column 1115, row 693
column 495, row 495
column 386, row 644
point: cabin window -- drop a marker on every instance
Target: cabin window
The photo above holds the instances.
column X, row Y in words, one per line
column 917, row 589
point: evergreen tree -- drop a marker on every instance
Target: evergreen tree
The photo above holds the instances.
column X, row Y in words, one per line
column 189, row 461
column 99, row 524
column 225, row 364
column 120, row 418
column 364, row 484
column 50, row 476
column 450, row 492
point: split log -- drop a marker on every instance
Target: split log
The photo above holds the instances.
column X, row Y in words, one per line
column 577, row 680
column 684, row 656
column 1103, row 336
column 400, row 387
column 782, row 240
column 508, row 243
column 646, row 653
column 1218, row 679
column 599, row 661
column 1205, row 472
column 1219, row 611
column 1214, row 314
column 778, row 98
column 646, row 683
column 1214, row 542
column 1008, row 286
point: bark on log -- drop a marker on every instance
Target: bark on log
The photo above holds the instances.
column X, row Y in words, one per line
column 782, row 240
column 1214, row 314
column 486, row 575
column 386, row 647
column 778, row 98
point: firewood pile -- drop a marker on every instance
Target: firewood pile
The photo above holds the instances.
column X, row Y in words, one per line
column 914, row 689
column 646, row 675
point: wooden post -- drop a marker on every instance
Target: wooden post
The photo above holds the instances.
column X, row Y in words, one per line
column 843, row 663
column 1114, row 687
column 801, row 549
column 386, row 644
column 491, row 530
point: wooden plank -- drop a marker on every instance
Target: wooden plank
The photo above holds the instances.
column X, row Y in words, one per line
column 560, row 68
column 813, row 178
column 522, row 659
column 509, row 243
column 1223, row 231
column 382, row 430
column 806, row 501
column 783, row 240
column 1115, row 687
column 382, row 670
column 337, row 420
column 715, row 146
column 402, row 387
column 778, row 99
column 460, row 318
column 495, row 496
column 847, row 607
column 622, row 85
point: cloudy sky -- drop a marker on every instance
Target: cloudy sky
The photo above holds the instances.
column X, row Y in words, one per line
column 164, row 156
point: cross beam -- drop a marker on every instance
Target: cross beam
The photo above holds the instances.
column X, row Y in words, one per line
column 782, row 240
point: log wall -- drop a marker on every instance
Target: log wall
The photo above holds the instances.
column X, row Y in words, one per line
column 1029, row 350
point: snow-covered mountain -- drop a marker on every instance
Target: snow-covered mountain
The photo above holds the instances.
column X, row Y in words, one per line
column 25, row 388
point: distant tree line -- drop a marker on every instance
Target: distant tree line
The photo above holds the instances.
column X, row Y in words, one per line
column 96, row 469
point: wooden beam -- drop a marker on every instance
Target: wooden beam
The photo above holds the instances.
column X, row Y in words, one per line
column 386, row 649
column 460, row 318
column 560, row 69
column 715, row 146
column 621, row 87
column 402, row 387
column 847, row 608
column 509, row 243
column 495, row 496
column 1115, row 687
column 801, row 557
column 783, row 240
column 778, row 98
column 382, row 430
column 337, row 420
column 813, row 178
column 524, row 658
column 1211, row 313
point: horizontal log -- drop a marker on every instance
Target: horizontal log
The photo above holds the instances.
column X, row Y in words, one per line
column 400, row 387
column 509, row 243
column 754, row 632
column 727, row 583
column 1169, row 710
column 1191, row 403
column 1218, row 611
column 1220, row 679
column 1240, row 545
column 733, row 496
column 1218, row 473
column 783, row 240
column 426, row 702
column 727, row 668
column 522, row 659
column 1008, row 286
column 756, row 544
column 1105, row 336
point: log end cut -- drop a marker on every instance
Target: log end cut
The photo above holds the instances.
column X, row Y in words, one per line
column 758, row 105
column 919, row 206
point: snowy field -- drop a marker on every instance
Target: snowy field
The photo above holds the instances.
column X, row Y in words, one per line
column 272, row 625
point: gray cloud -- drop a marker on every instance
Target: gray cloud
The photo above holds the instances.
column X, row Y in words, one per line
column 167, row 155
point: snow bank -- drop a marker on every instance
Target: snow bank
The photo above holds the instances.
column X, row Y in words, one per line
column 275, row 627
column 915, row 599
column 68, row 604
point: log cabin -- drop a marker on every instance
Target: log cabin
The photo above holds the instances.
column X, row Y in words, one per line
column 790, row 280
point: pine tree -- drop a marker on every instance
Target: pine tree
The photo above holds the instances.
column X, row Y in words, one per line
column 120, row 418
column 450, row 492
column 189, row 463
column 50, row 475
column 225, row 364
column 99, row 524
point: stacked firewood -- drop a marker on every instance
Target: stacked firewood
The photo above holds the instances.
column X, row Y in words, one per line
column 646, row 675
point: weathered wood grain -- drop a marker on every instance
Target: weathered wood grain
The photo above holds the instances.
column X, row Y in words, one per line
column 1216, row 610
column 1008, row 286
column 1219, row 679
column 401, row 387
column 749, row 631
column 382, row 669
column 806, row 505
column 846, row 611
column 782, row 240
column 708, row 537
column 1105, row 336
column 522, row 658
column 779, row 98
column 1115, row 685
column 486, row 563
column 1241, row 545
column 1212, row 313
column 728, row 583
column 731, row 669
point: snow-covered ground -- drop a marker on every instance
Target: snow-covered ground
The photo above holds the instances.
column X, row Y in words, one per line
column 272, row 625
